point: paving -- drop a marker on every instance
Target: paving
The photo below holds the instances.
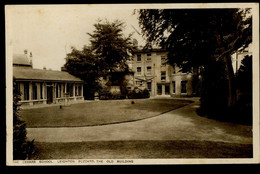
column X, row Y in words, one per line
column 179, row 124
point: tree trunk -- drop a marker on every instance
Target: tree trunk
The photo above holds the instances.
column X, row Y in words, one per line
column 229, row 73
column 230, row 78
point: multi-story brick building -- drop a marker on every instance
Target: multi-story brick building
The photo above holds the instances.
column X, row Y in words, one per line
column 152, row 72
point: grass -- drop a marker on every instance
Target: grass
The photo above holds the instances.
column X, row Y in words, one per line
column 98, row 113
column 142, row 149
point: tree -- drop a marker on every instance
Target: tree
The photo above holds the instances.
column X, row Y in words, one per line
column 110, row 46
column 108, row 52
column 22, row 149
column 199, row 38
column 85, row 65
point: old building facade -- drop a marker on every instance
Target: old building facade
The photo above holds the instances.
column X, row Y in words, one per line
column 152, row 72
column 41, row 86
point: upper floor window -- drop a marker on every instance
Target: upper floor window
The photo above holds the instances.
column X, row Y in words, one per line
column 139, row 58
column 163, row 75
column 163, row 61
column 149, row 69
column 149, row 57
column 139, row 70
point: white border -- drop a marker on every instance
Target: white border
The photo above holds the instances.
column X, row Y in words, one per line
column 9, row 83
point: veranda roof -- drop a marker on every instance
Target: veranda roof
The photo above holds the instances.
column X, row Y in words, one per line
column 25, row 73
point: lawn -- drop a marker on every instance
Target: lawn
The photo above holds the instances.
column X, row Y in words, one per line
column 142, row 149
column 99, row 113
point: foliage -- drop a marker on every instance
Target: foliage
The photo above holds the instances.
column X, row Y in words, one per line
column 108, row 52
column 244, row 75
column 84, row 64
column 110, row 45
column 22, row 149
column 138, row 93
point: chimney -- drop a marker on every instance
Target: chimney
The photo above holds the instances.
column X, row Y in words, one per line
column 30, row 58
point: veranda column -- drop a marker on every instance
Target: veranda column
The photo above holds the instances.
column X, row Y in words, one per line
column 74, row 91
column 30, row 93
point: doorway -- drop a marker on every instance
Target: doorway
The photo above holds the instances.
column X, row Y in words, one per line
column 159, row 89
column 49, row 94
column 167, row 90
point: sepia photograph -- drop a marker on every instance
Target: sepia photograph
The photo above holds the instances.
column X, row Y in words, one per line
column 127, row 84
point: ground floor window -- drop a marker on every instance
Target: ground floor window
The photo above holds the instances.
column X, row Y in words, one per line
column 34, row 86
column 70, row 89
column 149, row 86
column 58, row 90
column 41, row 90
column 139, row 83
column 184, row 86
column 80, row 90
column 26, row 91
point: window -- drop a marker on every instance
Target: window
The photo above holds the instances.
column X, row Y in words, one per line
column 76, row 89
column 139, row 83
column 183, row 86
column 79, row 88
column 163, row 75
column 139, row 70
column 163, row 61
column 149, row 86
column 70, row 89
column 149, row 57
column 34, row 86
column 26, row 91
column 173, row 87
column 149, row 70
column 58, row 90
column 139, row 58
column 41, row 90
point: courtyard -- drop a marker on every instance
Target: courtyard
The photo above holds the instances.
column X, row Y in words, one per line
column 149, row 128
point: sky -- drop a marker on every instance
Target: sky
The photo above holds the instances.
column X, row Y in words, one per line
column 49, row 31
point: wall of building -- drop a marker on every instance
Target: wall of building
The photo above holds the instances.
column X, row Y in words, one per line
column 59, row 90
column 154, row 75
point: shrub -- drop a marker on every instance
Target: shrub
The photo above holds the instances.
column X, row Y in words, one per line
column 138, row 93
column 105, row 94
column 22, row 149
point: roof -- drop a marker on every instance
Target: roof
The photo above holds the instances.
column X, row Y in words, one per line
column 150, row 50
column 21, row 59
column 23, row 73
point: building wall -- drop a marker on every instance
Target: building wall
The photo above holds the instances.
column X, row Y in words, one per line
column 157, row 79
column 58, row 96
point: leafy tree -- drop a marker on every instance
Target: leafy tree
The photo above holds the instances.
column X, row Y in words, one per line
column 85, row 65
column 22, row 149
column 110, row 46
column 108, row 53
column 200, row 38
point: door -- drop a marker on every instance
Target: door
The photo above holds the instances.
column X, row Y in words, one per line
column 159, row 89
column 167, row 90
column 49, row 94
